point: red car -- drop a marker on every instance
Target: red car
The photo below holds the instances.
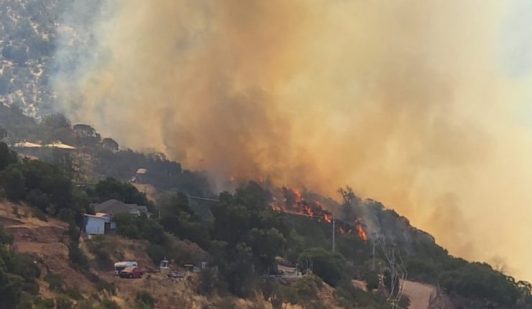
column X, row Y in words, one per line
column 131, row 272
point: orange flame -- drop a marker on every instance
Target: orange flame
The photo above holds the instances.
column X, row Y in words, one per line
column 361, row 232
column 298, row 195
column 308, row 211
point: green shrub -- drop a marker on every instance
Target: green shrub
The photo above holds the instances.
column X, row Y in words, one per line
column 44, row 303
column 24, row 266
column 10, row 289
column 104, row 249
column 372, row 279
column 156, row 253
column 328, row 266
column 351, row 297
column 144, row 300
column 77, row 257
column 103, row 285
column 13, row 182
column 55, row 282
column 5, row 238
column 74, row 293
column 108, row 304
column 63, row 302
column 39, row 214
column 209, row 281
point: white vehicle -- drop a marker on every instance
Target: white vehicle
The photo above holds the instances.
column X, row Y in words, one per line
column 119, row 266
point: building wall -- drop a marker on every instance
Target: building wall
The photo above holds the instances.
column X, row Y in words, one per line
column 96, row 226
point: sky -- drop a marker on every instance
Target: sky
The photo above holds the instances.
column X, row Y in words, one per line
column 422, row 105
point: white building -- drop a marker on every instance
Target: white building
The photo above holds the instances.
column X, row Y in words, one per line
column 98, row 224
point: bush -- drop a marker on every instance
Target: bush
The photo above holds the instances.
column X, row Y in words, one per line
column 13, row 182
column 328, row 266
column 63, row 302
column 55, row 282
column 156, row 253
column 351, row 297
column 108, row 304
column 6, row 155
column 209, row 281
column 144, row 300
column 5, row 238
column 372, row 279
column 103, row 285
column 10, row 289
column 304, row 292
column 74, row 293
column 77, row 257
column 24, row 266
column 39, row 214
column 104, row 249
column 43, row 303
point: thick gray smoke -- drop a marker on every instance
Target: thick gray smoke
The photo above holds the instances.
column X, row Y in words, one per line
column 406, row 101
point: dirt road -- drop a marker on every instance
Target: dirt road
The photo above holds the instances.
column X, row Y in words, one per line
column 419, row 294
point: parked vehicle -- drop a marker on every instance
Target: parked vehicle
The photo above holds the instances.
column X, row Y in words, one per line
column 120, row 266
column 131, row 272
column 176, row 275
column 191, row 268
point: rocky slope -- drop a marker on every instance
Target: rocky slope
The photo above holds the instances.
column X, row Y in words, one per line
column 28, row 33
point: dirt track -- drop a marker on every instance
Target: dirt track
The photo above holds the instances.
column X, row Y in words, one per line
column 418, row 293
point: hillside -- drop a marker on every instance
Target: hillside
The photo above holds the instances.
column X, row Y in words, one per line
column 258, row 245
column 303, row 219
column 45, row 240
column 27, row 44
column 251, row 239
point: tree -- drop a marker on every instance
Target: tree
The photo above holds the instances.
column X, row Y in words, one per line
column 7, row 156
column 328, row 266
column 350, row 201
column 10, row 289
column 87, row 135
column 110, row 144
column 13, row 182
column 266, row 245
column 247, row 237
column 3, row 133
column 56, row 121
column 111, row 188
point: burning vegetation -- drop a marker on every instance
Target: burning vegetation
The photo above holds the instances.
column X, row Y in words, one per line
column 293, row 202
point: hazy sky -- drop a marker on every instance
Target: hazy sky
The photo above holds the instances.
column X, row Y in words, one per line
column 423, row 105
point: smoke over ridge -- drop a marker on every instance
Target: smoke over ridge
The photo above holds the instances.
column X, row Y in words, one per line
column 410, row 102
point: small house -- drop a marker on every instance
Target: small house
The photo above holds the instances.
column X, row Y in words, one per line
column 140, row 176
column 102, row 222
column 115, row 207
column 98, row 224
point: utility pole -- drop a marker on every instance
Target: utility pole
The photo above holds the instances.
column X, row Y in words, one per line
column 373, row 253
column 333, row 235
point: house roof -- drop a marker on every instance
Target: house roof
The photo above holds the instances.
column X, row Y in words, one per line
column 27, row 145
column 60, row 145
column 142, row 171
column 98, row 215
column 115, row 207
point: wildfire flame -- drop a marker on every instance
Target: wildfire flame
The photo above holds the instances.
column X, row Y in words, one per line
column 295, row 203
column 297, row 195
column 361, row 231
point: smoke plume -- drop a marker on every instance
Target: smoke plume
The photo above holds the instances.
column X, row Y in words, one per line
column 422, row 105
